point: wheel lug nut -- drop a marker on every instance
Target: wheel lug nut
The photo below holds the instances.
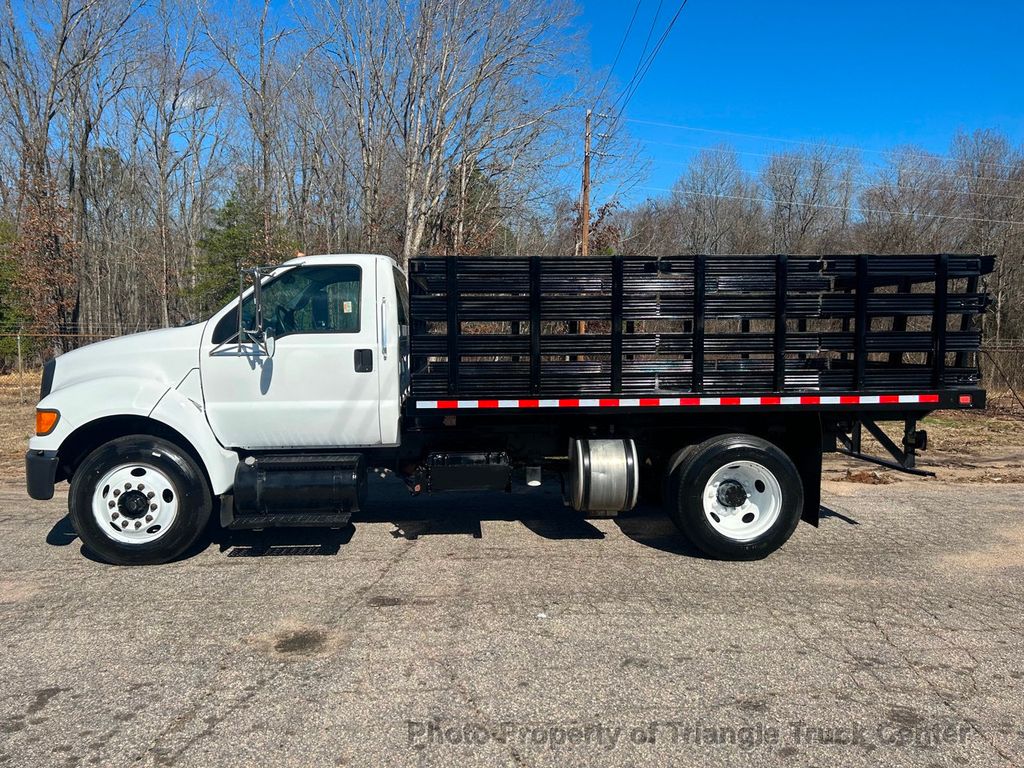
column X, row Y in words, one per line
column 114, row 516
column 138, row 523
column 117, row 491
column 152, row 507
column 124, row 523
column 150, row 495
column 140, row 486
column 149, row 518
column 111, row 504
column 127, row 486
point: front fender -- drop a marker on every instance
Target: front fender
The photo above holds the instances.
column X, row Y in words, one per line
column 179, row 408
column 88, row 401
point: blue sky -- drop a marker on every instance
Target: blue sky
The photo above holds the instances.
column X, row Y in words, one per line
column 867, row 74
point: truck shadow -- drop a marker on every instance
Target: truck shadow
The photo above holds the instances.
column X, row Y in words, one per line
column 542, row 513
column 825, row 512
column 554, row 524
column 321, row 541
column 650, row 526
column 62, row 533
column 284, row 542
column 646, row 526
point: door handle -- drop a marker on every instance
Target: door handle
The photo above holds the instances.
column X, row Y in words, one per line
column 364, row 360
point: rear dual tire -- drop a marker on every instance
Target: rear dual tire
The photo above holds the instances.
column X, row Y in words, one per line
column 736, row 497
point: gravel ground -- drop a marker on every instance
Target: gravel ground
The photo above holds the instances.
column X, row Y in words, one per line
column 483, row 630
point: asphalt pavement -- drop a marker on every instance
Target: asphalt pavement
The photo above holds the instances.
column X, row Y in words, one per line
column 487, row 630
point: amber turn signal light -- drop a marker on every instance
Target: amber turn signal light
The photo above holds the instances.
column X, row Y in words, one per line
column 46, row 421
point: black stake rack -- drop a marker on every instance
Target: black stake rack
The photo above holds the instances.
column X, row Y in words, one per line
column 514, row 327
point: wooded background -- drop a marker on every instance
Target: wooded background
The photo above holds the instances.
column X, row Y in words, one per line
column 151, row 148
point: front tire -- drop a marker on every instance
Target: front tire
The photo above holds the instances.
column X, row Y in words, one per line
column 139, row 500
column 736, row 497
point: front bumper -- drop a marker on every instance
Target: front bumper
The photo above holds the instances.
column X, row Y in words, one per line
column 40, row 473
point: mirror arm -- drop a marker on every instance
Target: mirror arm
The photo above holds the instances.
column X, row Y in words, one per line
column 257, row 335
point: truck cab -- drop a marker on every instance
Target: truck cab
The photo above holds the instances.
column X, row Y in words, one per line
column 337, row 366
column 312, row 358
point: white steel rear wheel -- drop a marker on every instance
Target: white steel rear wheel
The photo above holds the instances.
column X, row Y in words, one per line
column 742, row 500
column 135, row 503
column 736, row 497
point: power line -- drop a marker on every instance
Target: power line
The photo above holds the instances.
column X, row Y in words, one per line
column 618, row 53
column 867, row 183
column 640, row 60
column 653, row 54
column 644, row 66
column 850, row 208
column 805, row 142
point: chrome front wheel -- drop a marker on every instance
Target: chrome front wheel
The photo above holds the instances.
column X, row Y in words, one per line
column 135, row 503
column 139, row 500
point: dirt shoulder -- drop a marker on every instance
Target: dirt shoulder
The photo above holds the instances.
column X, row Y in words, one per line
column 986, row 447
column 17, row 422
column 963, row 447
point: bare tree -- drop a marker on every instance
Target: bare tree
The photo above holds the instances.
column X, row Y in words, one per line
column 163, row 102
column 57, row 76
column 714, row 201
column 446, row 87
column 910, row 205
column 811, row 194
column 264, row 68
column 990, row 174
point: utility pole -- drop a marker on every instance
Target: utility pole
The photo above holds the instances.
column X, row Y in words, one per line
column 585, row 205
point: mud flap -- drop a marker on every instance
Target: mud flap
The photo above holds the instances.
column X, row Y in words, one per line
column 803, row 443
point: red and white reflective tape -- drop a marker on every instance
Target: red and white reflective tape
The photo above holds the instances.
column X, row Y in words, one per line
column 681, row 402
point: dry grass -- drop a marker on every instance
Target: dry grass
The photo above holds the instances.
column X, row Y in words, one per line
column 999, row 428
column 18, row 397
column 963, row 446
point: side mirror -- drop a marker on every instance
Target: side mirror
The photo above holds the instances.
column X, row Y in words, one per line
column 259, row 333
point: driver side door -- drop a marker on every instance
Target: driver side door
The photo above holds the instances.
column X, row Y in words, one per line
column 319, row 389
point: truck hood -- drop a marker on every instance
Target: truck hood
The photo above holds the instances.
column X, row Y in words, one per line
column 163, row 356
